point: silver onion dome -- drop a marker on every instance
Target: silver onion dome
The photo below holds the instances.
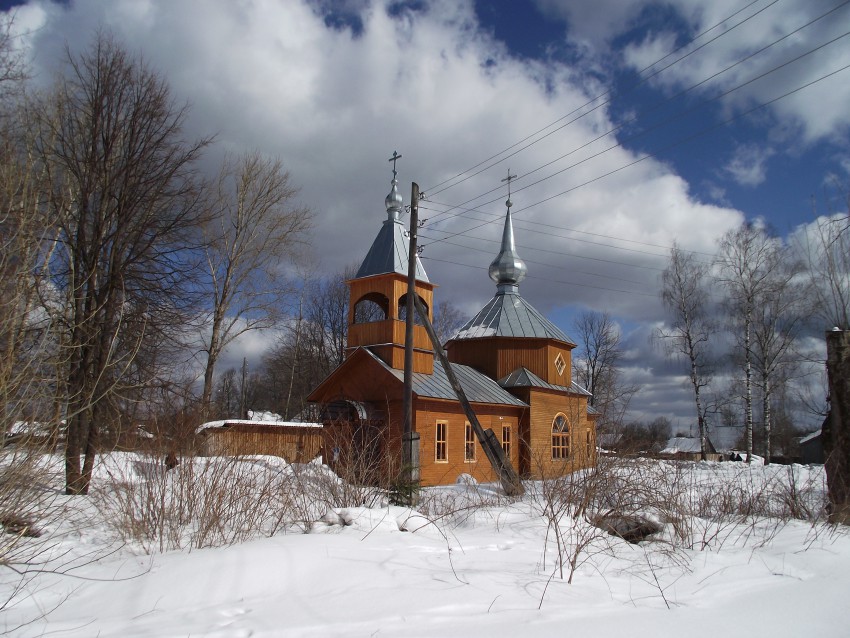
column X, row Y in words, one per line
column 394, row 201
column 508, row 269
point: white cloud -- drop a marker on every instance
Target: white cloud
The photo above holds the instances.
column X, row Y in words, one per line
column 819, row 111
column 334, row 106
column 748, row 167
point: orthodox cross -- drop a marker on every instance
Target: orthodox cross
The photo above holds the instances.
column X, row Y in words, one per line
column 395, row 158
column 508, row 180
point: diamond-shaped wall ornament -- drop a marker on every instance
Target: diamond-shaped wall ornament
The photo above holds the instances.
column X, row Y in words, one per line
column 560, row 364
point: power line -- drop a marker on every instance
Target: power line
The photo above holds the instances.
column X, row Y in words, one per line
column 658, row 105
column 495, row 218
column 664, row 148
column 628, row 90
column 558, row 252
column 525, row 225
column 556, row 281
column 547, row 265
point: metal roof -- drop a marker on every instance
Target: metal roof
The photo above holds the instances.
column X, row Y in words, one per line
column 389, row 253
column 525, row 378
column 509, row 315
column 478, row 387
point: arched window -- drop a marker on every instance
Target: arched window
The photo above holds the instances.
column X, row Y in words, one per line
column 371, row 307
column 560, row 437
column 402, row 310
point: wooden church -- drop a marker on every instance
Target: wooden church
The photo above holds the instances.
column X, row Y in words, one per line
column 513, row 364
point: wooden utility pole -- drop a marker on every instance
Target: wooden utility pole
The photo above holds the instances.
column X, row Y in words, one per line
column 508, row 476
column 836, row 428
column 410, row 439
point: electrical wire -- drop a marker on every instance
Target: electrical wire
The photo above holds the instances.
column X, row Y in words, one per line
column 628, row 90
column 556, row 281
column 646, row 156
column 660, row 104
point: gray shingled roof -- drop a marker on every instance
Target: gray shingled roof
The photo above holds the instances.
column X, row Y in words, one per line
column 389, row 253
column 509, row 315
column 478, row 387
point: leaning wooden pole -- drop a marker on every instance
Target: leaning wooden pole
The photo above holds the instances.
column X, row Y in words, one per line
column 508, row 476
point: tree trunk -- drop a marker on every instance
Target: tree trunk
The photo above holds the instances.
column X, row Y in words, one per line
column 836, row 430
column 748, row 400
column 703, row 429
column 767, row 416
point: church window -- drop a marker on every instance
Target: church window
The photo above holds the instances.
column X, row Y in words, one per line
column 506, row 440
column 589, row 444
column 560, row 364
column 560, row 437
column 469, row 444
column 441, row 451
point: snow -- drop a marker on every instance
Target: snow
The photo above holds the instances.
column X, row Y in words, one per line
column 466, row 562
column 811, row 436
column 227, row 422
column 682, row 444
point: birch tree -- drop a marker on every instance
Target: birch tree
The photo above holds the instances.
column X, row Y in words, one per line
column 684, row 293
column 256, row 226
column 777, row 320
column 745, row 259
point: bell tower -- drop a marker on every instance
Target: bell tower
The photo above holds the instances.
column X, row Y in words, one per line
column 378, row 293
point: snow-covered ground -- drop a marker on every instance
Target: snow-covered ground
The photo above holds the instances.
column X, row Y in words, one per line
column 472, row 563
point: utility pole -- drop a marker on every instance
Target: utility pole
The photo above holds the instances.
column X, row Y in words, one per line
column 410, row 439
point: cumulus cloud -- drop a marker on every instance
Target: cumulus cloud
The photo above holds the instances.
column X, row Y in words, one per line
column 334, row 94
column 750, row 50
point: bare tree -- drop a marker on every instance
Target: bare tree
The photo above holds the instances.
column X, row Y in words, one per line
column 826, row 247
column 685, row 295
column 124, row 199
column 745, row 259
column 311, row 346
column 255, row 227
column 777, row 320
column 447, row 319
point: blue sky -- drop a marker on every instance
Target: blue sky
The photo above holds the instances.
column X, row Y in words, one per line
column 333, row 88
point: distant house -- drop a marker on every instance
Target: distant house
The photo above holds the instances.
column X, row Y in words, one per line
column 811, row 448
column 294, row 442
column 689, row 449
column 35, row 434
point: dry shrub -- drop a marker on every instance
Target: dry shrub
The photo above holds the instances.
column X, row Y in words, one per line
column 458, row 505
column 200, row 502
column 27, row 502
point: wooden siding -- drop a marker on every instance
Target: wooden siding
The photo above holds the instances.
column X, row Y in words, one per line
column 551, row 375
column 367, row 382
column 386, row 331
column 389, row 333
column 429, row 412
column 498, row 357
column 295, row 444
column 545, row 406
column 391, row 285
